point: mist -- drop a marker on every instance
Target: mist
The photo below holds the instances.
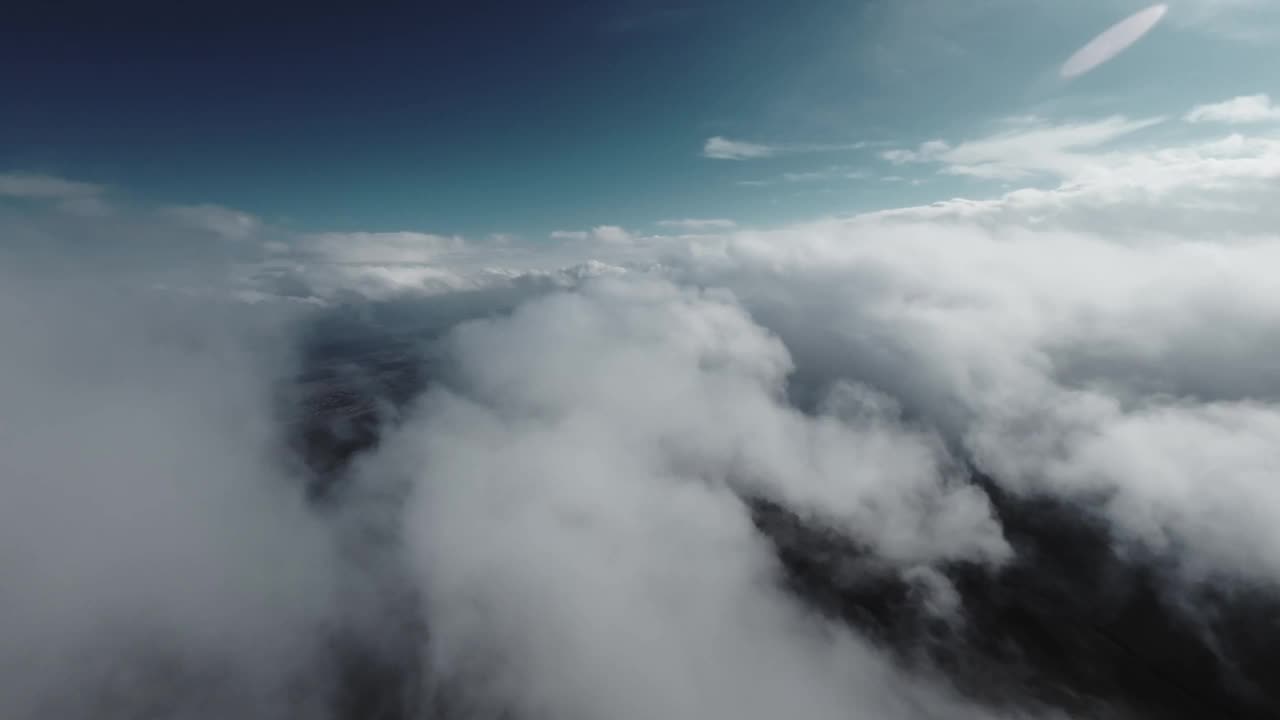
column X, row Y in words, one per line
column 157, row 555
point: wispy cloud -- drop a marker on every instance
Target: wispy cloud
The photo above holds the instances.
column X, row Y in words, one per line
column 1241, row 110
column 45, row 187
column 221, row 221
column 929, row 150
column 829, row 174
column 1039, row 149
column 378, row 248
column 721, row 148
column 610, row 234
column 695, row 224
column 1251, row 21
column 1214, row 186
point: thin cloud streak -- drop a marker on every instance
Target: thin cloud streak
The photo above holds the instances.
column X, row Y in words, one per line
column 45, row 187
column 720, row 148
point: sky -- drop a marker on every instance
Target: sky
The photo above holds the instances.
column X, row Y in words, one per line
column 523, row 119
column 836, row 256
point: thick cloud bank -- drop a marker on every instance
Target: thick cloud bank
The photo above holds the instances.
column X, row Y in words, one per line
column 1001, row 458
column 156, row 557
column 579, row 524
column 1132, row 372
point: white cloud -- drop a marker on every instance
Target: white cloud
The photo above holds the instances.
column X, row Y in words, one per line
column 594, row 433
column 610, row 234
column 576, row 497
column 1218, row 186
column 828, row 174
column 697, row 224
column 1248, row 21
column 603, row 234
column 720, row 148
column 148, row 530
column 1240, row 110
column 1069, row 362
column 222, row 221
column 1114, row 283
column 45, row 187
column 1104, row 341
column 377, row 266
column 928, row 151
column 325, row 282
column 1027, row 151
column 378, row 248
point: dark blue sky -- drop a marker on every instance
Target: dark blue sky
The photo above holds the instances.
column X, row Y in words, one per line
column 502, row 116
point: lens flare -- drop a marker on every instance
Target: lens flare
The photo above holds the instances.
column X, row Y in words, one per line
column 1113, row 41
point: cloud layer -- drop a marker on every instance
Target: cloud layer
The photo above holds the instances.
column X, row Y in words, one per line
column 565, row 503
column 580, row 478
column 1240, row 110
column 157, row 557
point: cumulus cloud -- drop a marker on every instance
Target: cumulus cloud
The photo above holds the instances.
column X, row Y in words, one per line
column 1240, row 110
column 1051, row 355
column 333, row 267
column 330, row 282
column 579, row 494
column 157, row 557
column 567, row 506
column 983, row 360
column 610, row 234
